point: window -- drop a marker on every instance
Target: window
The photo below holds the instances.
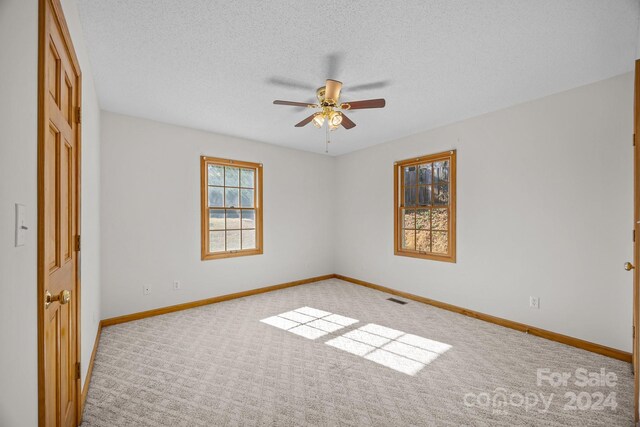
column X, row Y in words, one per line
column 425, row 207
column 231, row 208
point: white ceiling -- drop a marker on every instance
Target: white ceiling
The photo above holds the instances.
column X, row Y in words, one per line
column 218, row 65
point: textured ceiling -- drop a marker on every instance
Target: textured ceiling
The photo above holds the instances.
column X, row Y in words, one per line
column 218, row 65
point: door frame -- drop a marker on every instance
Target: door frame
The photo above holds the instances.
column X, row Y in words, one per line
column 636, row 241
column 53, row 8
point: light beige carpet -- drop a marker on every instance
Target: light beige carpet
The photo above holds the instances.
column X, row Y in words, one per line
column 337, row 354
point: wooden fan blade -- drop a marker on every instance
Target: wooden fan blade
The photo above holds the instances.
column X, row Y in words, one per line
column 305, row 121
column 293, row 104
column 359, row 105
column 347, row 123
column 332, row 90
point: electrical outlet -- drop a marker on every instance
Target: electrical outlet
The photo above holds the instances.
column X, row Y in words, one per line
column 534, row 302
column 146, row 289
column 177, row 285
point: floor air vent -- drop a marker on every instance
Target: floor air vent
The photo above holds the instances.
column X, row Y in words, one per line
column 397, row 301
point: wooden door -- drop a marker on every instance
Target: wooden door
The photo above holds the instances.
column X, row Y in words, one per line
column 636, row 238
column 58, row 221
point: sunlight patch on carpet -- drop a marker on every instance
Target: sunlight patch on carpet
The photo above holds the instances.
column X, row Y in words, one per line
column 406, row 353
column 309, row 322
column 394, row 349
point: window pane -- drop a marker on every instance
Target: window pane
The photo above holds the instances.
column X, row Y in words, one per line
column 441, row 171
column 422, row 219
column 215, row 196
column 410, row 175
column 216, row 175
column 248, row 218
column 424, row 195
column 246, row 178
column 440, row 219
column 423, row 241
column 231, row 177
column 233, row 219
column 441, row 194
column 248, row 239
column 410, row 196
column 409, row 220
column 216, row 241
column 440, row 242
column 233, row 240
column 246, row 198
column 231, row 197
column 408, row 239
column 216, row 219
column 424, row 174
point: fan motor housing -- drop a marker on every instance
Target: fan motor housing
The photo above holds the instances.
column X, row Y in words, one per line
column 320, row 94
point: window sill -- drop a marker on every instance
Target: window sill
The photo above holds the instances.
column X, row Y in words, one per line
column 433, row 257
column 210, row 256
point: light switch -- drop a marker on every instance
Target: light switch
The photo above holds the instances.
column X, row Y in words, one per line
column 21, row 225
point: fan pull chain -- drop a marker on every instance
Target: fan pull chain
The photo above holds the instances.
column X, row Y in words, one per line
column 326, row 150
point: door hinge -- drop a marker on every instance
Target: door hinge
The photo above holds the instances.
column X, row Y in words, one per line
column 634, row 236
column 633, row 332
column 78, row 115
column 634, row 139
column 78, row 370
column 78, row 243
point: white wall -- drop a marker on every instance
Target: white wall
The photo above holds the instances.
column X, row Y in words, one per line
column 151, row 215
column 545, row 209
column 18, row 184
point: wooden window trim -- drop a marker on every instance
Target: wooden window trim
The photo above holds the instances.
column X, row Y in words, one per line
column 398, row 187
column 204, row 208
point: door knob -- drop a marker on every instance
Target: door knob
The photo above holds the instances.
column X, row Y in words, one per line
column 64, row 297
column 628, row 266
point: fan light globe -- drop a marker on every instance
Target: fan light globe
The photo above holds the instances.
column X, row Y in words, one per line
column 318, row 120
column 335, row 118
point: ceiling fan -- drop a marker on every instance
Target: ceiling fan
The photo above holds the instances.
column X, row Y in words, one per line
column 330, row 108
